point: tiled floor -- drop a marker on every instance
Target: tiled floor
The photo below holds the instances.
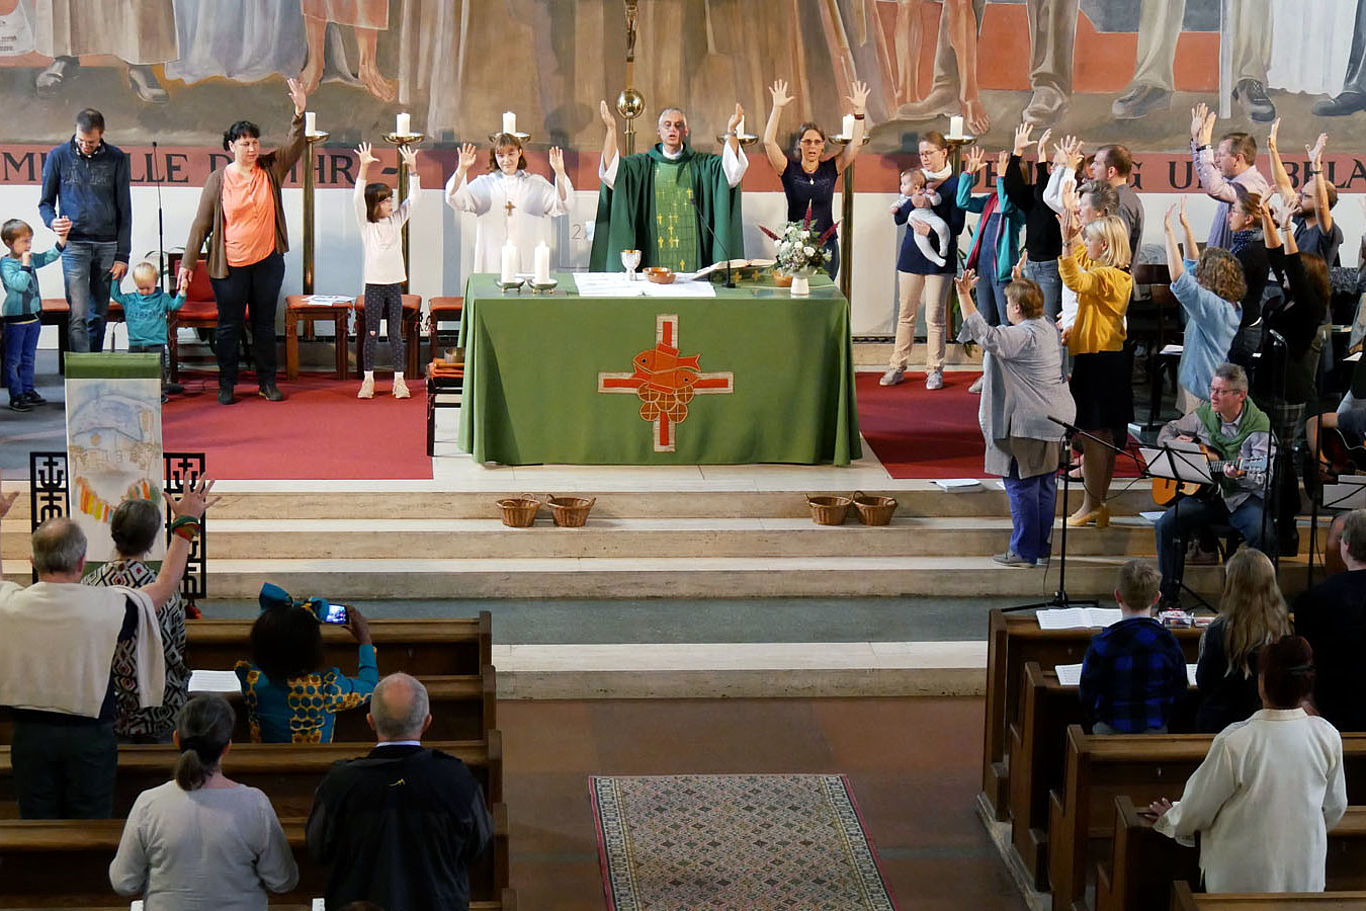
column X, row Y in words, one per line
column 912, row 763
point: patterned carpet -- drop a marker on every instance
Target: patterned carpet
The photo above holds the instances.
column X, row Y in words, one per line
column 735, row 843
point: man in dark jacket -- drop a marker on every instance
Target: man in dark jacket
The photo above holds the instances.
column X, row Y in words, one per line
column 1331, row 616
column 89, row 179
column 399, row 826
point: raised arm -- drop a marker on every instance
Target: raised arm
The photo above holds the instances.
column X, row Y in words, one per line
column 607, row 170
column 776, row 159
column 1192, row 245
column 563, row 186
column 1211, row 180
column 1321, row 210
column 1174, row 265
column 191, row 506
column 365, row 158
column 1270, row 230
column 461, row 193
column 1279, row 178
column 288, row 155
column 858, row 100
column 734, row 161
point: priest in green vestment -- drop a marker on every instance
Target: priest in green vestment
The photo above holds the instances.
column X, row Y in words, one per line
column 678, row 207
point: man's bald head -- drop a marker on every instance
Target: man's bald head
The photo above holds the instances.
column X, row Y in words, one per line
column 399, row 708
column 58, row 548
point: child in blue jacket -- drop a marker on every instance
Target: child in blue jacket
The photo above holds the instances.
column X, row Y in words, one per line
column 22, row 308
column 144, row 312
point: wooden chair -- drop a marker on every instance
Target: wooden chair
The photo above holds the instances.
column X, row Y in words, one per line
column 412, row 323
column 1156, row 323
column 200, row 310
column 441, row 310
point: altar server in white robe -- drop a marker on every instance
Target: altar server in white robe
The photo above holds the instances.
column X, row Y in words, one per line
column 509, row 201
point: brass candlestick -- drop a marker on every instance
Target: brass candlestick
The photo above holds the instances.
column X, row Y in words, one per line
column 310, row 192
column 846, row 274
column 403, row 141
column 630, row 103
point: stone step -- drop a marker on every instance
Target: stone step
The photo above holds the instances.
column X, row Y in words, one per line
column 680, row 577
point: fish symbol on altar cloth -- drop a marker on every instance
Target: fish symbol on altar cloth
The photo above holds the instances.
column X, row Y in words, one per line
column 661, row 368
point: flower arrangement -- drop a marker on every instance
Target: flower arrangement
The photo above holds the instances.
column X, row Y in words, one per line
column 799, row 247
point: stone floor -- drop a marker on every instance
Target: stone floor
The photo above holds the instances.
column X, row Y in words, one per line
column 912, row 763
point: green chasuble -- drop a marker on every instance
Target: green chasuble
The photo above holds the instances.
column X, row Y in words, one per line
column 682, row 213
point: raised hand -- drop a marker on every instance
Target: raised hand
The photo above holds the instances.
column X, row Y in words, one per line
column 1043, row 144
column 1017, row 271
column 1184, row 220
column 1002, row 162
column 409, row 156
column 196, row 500
column 779, row 92
column 858, row 97
column 976, row 160
column 1315, row 152
column 557, row 160
column 1167, row 219
column 606, row 114
column 298, row 94
column 469, row 155
column 1271, row 136
column 1072, row 146
column 966, row 282
column 367, row 157
column 735, row 118
column 1022, row 140
column 1202, row 124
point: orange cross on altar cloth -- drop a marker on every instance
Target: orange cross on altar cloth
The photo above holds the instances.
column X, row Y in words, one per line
column 665, row 383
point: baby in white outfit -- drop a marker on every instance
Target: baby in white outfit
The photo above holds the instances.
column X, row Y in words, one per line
column 913, row 187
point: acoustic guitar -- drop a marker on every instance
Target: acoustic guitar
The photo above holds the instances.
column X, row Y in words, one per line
column 1341, row 457
column 1165, row 490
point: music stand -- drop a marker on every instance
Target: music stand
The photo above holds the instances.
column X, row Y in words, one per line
column 1185, row 463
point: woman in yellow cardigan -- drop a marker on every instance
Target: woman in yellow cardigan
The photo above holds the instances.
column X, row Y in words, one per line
column 1094, row 263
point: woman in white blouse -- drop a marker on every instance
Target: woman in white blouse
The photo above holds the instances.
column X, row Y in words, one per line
column 510, row 202
column 202, row 814
column 1269, row 790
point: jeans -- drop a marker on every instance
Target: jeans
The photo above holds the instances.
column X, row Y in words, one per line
column 991, row 300
column 85, row 267
column 253, row 289
column 64, row 771
column 1045, row 274
column 1032, row 501
column 1191, row 514
column 21, row 343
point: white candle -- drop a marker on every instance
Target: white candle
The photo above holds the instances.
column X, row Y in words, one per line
column 955, row 127
column 310, row 123
column 848, row 128
column 509, row 272
column 509, row 122
column 403, row 125
column 542, row 269
column 740, row 127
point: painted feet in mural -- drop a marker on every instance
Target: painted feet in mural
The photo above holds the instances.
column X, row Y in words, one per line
column 940, row 102
column 56, row 76
column 1046, row 107
column 144, row 82
column 1140, row 100
column 1251, row 94
column 377, row 85
column 1344, row 104
column 976, row 116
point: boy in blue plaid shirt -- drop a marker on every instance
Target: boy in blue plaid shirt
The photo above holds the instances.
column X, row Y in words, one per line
column 1134, row 670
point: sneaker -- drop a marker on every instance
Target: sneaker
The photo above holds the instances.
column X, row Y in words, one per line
column 175, row 388
column 367, row 389
column 1010, row 558
column 225, row 395
column 20, row 404
column 270, row 392
column 1042, row 562
column 935, row 380
column 893, row 376
column 976, row 387
column 401, row 390
column 33, row 398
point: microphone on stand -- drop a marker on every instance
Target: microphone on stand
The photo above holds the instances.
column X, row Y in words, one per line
column 730, row 278
column 161, row 230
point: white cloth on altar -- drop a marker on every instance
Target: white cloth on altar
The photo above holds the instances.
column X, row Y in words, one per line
column 1310, row 44
column 732, row 165
column 534, row 200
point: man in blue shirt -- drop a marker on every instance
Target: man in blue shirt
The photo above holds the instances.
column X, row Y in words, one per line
column 1134, row 670
column 89, row 179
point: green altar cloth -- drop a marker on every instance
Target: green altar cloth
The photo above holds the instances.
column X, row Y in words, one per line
column 752, row 375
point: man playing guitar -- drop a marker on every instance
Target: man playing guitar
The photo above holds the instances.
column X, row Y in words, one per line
column 1238, row 433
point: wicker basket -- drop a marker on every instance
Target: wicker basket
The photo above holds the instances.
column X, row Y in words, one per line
column 519, row 512
column 829, row 510
column 570, row 512
column 874, row 510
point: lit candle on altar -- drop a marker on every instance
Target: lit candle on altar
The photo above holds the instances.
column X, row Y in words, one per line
column 403, row 125
column 509, row 122
column 509, row 271
column 310, row 123
column 542, row 270
column 955, row 127
column 848, row 129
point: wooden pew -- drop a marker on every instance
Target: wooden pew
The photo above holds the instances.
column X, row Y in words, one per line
column 288, row 773
column 1099, row 768
column 1185, row 899
column 1036, row 755
column 423, row 648
column 1144, row 863
column 49, row 862
column 463, row 707
column 1013, row 639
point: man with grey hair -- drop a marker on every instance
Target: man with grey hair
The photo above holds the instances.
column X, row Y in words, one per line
column 399, row 826
column 1331, row 616
column 56, row 658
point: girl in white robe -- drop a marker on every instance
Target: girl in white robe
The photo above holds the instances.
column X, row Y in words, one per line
column 534, row 200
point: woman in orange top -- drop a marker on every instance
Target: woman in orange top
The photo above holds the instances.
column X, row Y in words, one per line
column 1093, row 264
column 241, row 215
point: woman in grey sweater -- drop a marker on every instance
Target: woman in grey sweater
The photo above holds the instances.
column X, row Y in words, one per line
column 202, row 816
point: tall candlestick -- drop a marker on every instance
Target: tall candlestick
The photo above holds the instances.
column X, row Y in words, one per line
column 542, row 270
column 848, row 127
column 310, row 123
column 403, row 125
column 509, row 271
column 509, row 122
column 956, row 126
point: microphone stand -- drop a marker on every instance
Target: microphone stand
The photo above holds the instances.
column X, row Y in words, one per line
column 161, row 230
column 730, row 278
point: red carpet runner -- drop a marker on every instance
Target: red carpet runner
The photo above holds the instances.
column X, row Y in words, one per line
column 321, row 431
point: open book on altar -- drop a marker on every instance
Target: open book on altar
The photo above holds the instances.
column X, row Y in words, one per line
column 1078, row 617
column 1070, row 674
column 720, row 267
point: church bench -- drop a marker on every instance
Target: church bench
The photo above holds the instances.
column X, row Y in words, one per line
column 463, row 707
column 1144, row 863
column 1036, row 758
column 44, row 863
column 1013, row 639
column 423, row 648
column 1099, row 768
column 287, row 773
column 1186, row 899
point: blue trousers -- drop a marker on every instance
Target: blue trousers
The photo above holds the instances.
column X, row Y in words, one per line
column 1193, row 514
column 21, row 344
column 1032, row 501
column 1045, row 275
column 85, row 267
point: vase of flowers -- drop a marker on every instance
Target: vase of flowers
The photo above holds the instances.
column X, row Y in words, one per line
column 800, row 251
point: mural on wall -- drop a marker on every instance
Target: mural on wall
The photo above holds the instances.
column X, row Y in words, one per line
column 178, row 71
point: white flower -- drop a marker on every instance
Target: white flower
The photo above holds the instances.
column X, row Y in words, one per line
column 809, row 251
